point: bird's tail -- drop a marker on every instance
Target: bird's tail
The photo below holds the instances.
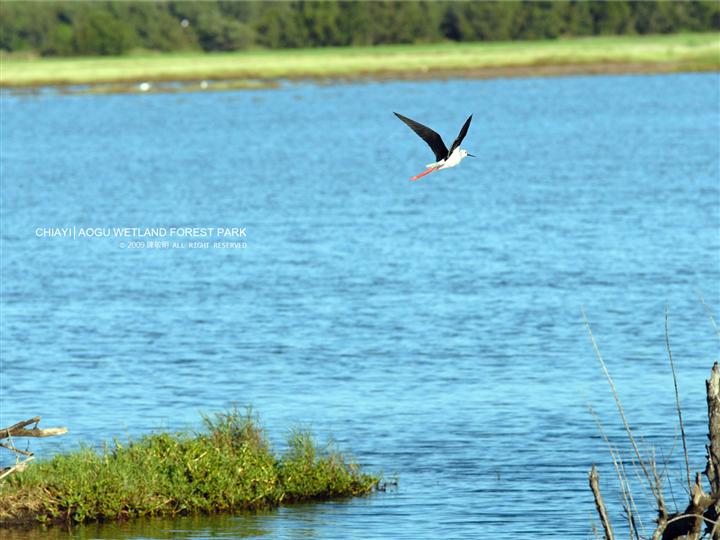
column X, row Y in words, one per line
column 419, row 176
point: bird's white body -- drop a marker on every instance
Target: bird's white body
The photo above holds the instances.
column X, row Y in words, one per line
column 445, row 158
column 455, row 158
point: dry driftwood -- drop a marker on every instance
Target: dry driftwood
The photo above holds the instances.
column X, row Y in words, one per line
column 20, row 430
column 712, row 469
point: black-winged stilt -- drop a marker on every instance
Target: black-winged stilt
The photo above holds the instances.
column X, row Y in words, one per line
column 445, row 158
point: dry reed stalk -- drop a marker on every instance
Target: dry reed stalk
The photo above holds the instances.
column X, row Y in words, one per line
column 620, row 407
column 677, row 400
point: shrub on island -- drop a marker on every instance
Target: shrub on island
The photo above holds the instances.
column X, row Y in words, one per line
column 228, row 467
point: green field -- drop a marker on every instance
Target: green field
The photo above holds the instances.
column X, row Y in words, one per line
column 658, row 53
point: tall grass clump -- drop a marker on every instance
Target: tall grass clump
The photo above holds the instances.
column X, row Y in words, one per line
column 229, row 466
column 309, row 472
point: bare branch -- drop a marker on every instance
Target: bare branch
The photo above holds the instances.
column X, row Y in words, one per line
column 18, row 430
column 600, row 505
column 37, row 432
column 16, row 450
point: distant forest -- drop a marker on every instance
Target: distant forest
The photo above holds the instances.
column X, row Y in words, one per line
column 112, row 28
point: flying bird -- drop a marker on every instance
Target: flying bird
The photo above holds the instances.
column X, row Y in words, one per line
column 444, row 158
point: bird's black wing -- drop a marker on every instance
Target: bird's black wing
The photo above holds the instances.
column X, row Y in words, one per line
column 433, row 140
column 461, row 136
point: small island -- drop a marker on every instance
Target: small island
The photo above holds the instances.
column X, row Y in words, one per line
column 228, row 467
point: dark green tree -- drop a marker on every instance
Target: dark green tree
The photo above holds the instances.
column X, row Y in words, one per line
column 322, row 23
column 450, row 24
column 487, row 21
column 612, row 18
column 99, row 32
column 217, row 33
column 356, row 23
column 578, row 18
column 280, row 26
column 66, row 27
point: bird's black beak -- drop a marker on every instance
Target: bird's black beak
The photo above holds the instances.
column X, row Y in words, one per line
column 471, row 155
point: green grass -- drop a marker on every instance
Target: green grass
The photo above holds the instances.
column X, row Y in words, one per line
column 678, row 52
column 229, row 467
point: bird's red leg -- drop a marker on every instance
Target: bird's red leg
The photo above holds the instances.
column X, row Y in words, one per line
column 419, row 176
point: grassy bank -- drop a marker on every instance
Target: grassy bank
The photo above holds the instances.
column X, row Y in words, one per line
column 661, row 53
column 228, row 467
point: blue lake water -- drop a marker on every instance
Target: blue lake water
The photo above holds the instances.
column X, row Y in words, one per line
column 432, row 329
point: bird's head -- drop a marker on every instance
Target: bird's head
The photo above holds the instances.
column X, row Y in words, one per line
column 465, row 153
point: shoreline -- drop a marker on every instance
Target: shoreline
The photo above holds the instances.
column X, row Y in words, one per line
column 209, row 84
column 268, row 69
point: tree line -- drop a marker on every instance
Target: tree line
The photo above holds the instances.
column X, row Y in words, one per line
column 113, row 28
